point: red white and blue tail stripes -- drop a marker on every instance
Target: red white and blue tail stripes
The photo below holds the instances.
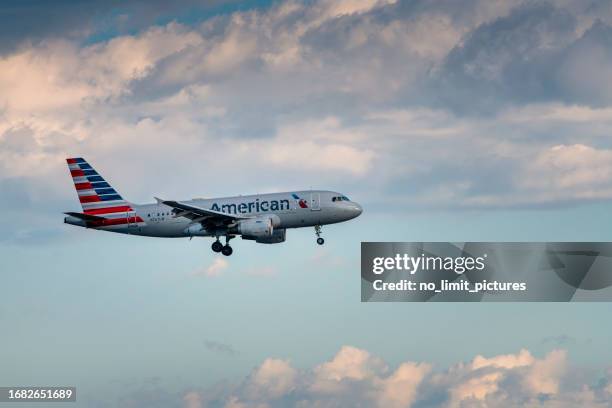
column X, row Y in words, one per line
column 98, row 198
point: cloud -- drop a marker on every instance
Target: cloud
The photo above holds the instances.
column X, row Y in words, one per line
column 585, row 65
column 510, row 378
column 192, row 400
column 215, row 269
column 355, row 377
column 480, row 104
column 318, row 146
column 506, row 60
column 545, row 374
column 62, row 75
column 30, row 23
column 477, row 388
column 272, row 379
column 400, row 388
column 350, row 364
column 522, row 359
column 352, row 377
column 583, row 170
column 539, row 52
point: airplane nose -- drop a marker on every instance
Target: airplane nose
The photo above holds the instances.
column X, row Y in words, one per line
column 356, row 210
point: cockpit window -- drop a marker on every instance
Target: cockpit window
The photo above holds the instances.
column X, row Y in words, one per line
column 345, row 198
column 340, row 198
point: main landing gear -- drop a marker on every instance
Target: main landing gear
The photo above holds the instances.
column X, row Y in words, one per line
column 320, row 240
column 217, row 246
column 226, row 249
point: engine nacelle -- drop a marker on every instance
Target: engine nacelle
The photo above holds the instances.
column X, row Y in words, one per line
column 278, row 236
column 258, row 227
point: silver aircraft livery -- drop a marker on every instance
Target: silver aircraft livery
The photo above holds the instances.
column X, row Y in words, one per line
column 263, row 218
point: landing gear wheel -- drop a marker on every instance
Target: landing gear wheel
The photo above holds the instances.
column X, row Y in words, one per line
column 320, row 240
column 227, row 250
column 217, row 246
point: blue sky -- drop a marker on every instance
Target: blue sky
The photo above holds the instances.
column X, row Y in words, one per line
column 447, row 121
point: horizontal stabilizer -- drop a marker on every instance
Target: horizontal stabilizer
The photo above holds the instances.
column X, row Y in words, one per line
column 85, row 217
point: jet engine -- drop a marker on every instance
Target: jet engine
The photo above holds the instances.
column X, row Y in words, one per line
column 278, row 236
column 258, row 227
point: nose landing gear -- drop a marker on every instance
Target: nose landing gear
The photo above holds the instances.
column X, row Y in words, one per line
column 320, row 240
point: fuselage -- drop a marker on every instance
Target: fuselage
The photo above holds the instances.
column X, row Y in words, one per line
column 294, row 209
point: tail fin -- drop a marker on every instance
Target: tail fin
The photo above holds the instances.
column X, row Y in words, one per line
column 97, row 197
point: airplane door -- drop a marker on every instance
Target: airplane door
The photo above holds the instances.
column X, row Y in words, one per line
column 131, row 219
column 315, row 201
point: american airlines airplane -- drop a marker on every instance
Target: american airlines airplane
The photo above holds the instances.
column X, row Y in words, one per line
column 263, row 218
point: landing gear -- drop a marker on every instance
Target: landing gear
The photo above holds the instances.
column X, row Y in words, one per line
column 320, row 240
column 227, row 250
column 217, row 246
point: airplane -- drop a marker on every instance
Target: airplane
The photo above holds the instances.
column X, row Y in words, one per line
column 263, row 218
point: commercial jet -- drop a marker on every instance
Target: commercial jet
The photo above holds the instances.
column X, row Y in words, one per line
column 263, row 218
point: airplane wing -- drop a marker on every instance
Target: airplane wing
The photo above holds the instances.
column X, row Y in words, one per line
column 201, row 214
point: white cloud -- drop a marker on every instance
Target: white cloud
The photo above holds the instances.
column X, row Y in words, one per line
column 272, row 379
column 350, row 363
column 215, row 269
column 355, row 377
column 577, row 170
column 400, row 388
column 488, row 379
column 475, row 388
column 58, row 74
column 192, row 400
column 335, row 8
column 543, row 378
column 523, row 358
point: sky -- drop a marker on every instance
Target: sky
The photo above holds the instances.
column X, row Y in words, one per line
column 472, row 120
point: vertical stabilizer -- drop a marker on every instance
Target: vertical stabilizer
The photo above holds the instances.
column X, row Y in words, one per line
column 98, row 197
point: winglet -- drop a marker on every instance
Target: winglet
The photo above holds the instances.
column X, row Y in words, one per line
column 159, row 200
